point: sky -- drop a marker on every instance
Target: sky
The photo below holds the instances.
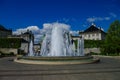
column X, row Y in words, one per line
column 79, row 14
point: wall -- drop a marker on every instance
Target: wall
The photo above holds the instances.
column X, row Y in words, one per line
column 8, row 50
column 92, row 36
column 5, row 33
column 95, row 50
column 24, row 47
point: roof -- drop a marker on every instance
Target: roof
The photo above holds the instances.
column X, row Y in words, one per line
column 24, row 41
column 93, row 28
column 2, row 28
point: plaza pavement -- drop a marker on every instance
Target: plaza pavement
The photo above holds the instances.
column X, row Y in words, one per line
column 107, row 69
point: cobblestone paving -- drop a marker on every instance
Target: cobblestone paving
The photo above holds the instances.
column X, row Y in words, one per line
column 107, row 69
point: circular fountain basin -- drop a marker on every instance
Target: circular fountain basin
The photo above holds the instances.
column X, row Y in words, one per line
column 62, row 60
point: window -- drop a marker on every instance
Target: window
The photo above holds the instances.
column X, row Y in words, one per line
column 97, row 34
column 88, row 35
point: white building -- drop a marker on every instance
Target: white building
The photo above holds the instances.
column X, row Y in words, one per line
column 93, row 33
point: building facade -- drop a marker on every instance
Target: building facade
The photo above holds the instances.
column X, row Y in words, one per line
column 25, row 40
column 4, row 32
column 93, row 33
column 28, row 36
column 24, row 45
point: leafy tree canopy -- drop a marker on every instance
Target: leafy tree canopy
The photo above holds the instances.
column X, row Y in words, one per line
column 112, row 42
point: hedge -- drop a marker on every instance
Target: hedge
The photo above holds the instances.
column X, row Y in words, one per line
column 10, row 42
column 91, row 43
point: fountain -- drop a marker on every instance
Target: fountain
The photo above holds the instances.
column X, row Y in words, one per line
column 58, row 48
column 58, row 43
column 31, row 51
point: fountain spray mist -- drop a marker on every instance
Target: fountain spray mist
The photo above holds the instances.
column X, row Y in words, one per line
column 58, row 42
column 31, row 51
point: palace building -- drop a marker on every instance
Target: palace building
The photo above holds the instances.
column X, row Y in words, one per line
column 4, row 32
column 93, row 33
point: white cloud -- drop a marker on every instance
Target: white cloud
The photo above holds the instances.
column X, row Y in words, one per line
column 93, row 19
column 38, row 33
column 22, row 30
column 74, row 33
column 84, row 25
column 65, row 20
column 35, row 29
column 113, row 15
column 107, row 18
column 47, row 26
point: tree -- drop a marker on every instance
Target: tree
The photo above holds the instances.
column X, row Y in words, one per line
column 112, row 42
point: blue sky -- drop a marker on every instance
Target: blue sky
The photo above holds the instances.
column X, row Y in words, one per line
column 79, row 14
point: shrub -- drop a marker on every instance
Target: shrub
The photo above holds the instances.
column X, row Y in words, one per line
column 10, row 42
